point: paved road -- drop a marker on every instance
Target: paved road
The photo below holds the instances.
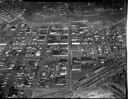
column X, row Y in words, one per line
column 69, row 59
column 40, row 64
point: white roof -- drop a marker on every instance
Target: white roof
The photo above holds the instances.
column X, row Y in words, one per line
column 41, row 40
column 63, row 67
column 65, row 34
column 76, row 69
column 53, row 32
column 22, row 43
column 3, row 43
column 57, row 43
column 44, row 73
column 60, row 55
column 63, row 43
column 75, row 43
column 64, row 73
column 60, row 84
column 65, row 28
column 83, row 27
column 45, row 66
column 38, row 53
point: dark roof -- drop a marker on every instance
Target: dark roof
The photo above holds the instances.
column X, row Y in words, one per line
column 64, row 37
column 41, row 37
column 101, row 57
column 63, row 60
column 56, row 52
column 86, row 58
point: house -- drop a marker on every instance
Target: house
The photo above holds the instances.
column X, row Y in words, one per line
column 38, row 53
column 76, row 68
column 43, row 75
column 85, row 60
column 76, row 43
column 64, row 72
column 3, row 43
column 101, row 59
column 61, row 84
column 13, row 28
column 99, row 69
column 63, row 60
column 42, row 32
column 56, row 52
column 76, row 60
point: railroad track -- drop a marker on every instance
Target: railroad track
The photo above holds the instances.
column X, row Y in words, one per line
column 103, row 76
column 100, row 75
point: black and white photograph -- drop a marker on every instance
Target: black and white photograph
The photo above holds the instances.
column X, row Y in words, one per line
column 63, row 49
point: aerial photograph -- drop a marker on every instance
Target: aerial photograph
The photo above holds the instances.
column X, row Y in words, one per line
column 63, row 49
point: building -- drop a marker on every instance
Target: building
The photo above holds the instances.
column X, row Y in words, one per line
column 85, row 60
column 63, row 73
column 76, row 67
column 63, row 60
column 38, row 53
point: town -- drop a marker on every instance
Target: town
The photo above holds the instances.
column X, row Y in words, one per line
column 58, row 55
